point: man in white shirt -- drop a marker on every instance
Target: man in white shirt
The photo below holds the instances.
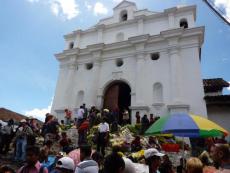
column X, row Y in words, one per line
column 80, row 113
column 85, row 111
column 103, row 136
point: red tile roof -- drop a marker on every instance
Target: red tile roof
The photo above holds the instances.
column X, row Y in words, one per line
column 6, row 115
column 215, row 84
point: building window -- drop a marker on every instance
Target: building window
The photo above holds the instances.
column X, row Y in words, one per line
column 80, row 98
column 119, row 62
column 154, row 56
column 120, row 36
column 89, row 66
column 71, row 45
column 183, row 23
column 157, row 93
column 124, row 16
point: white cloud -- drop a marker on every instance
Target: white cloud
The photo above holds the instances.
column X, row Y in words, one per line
column 39, row 113
column 55, row 9
column 88, row 6
column 68, row 9
column 117, row 1
column 99, row 8
column 224, row 4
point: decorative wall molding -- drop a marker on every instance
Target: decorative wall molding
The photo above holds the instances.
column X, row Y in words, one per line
column 139, row 108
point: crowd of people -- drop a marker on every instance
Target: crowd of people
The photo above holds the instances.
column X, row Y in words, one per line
column 52, row 154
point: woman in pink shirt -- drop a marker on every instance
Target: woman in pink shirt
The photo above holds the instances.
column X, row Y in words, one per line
column 32, row 164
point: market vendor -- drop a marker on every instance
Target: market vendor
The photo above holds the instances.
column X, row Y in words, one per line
column 103, row 136
column 82, row 131
column 136, row 144
column 68, row 116
column 125, row 117
column 138, row 117
column 153, row 143
column 144, row 124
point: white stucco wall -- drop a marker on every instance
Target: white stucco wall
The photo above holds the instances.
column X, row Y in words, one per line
column 139, row 22
column 177, row 70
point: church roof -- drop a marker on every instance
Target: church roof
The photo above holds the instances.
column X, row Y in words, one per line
column 214, row 85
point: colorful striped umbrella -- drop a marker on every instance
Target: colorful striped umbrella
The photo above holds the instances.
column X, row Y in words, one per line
column 186, row 125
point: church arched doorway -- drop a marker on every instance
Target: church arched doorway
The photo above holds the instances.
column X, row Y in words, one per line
column 117, row 97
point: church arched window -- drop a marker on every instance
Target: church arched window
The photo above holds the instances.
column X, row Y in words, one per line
column 157, row 93
column 80, row 98
column 123, row 16
column 71, row 45
column 183, row 23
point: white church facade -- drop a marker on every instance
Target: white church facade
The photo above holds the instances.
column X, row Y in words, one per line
column 137, row 60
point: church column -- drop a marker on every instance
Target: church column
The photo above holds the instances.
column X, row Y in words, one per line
column 171, row 19
column 69, row 96
column 78, row 38
column 140, row 62
column 140, row 26
column 175, row 64
column 100, row 33
column 138, row 102
column 97, row 68
column 96, row 52
column 57, row 100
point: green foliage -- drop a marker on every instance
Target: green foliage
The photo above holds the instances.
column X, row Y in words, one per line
column 135, row 129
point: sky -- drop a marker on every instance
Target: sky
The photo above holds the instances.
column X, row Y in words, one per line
column 31, row 32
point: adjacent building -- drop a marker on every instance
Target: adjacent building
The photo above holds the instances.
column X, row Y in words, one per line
column 218, row 104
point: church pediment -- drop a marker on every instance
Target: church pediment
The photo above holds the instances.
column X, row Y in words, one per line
column 125, row 4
